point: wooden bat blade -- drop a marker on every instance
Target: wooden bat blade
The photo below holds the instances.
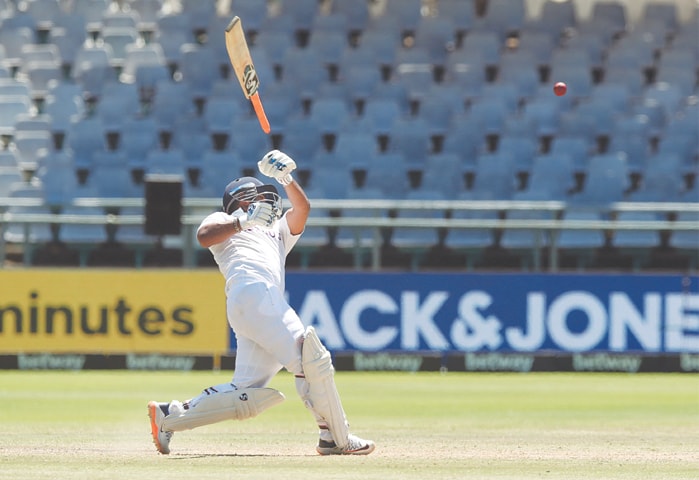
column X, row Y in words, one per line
column 244, row 69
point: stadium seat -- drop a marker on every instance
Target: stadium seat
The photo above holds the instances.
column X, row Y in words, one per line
column 388, row 173
column 84, row 234
column 9, row 176
column 9, row 160
column 169, row 162
column 302, row 13
column 462, row 13
column 419, row 239
column 471, row 240
column 327, row 44
column 13, row 40
column 636, row 243
column 552, row 173
column 410, row 137
column 505, row 17
column 85, row 137
column 487, row 43
column 334, row 181
column 576, row 245
column 407, row 12
column 527, row 244
column 363, row 237
column 199, row 68
column 58, row 180
column 35, row 233
column 29, row 145
column 611, row 11
column 606, row 179
column 357, row 14
column 13, row 106
column 686, row 240
column 555, row 18
column 522, row 148
column 495, row 173
column 443, row 172
column 437, row 35
column 138, row 137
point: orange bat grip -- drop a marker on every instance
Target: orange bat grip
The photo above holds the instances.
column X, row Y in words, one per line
column 260, row 112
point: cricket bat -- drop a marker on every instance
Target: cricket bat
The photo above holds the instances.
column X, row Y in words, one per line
column 241, row 60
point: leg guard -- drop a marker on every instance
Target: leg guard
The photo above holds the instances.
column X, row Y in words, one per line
column 231, row 405
column 322, row 393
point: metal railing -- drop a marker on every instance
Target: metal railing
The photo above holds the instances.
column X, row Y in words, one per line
column 194, row 210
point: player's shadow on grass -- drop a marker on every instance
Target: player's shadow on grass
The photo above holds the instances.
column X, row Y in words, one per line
column 192, row 456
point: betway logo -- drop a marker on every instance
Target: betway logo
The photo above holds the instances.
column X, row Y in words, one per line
column 605, row 362
column 47, row 361
column 159, row 362
column 689, row 362
column 497, row 362
column 386, row 361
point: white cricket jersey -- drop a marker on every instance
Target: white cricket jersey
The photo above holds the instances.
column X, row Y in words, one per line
column 255, row 254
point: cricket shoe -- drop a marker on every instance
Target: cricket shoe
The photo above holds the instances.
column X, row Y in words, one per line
column 157, row 413
column 355, row 446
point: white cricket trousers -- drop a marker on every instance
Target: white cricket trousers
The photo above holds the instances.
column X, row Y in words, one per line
column 268, row 333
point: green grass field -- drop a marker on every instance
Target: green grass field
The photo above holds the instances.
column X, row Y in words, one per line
column 93, row 425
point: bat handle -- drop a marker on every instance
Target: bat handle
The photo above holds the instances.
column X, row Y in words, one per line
column 260, row 112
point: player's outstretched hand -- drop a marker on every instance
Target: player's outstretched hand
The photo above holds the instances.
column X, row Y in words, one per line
column 277, row 165
column 259, row 214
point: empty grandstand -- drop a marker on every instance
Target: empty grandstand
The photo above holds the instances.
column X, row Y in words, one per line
column 458, row 155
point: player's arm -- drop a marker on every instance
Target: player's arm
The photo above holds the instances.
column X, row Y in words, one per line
column 217, row 228
column 279, row 166
column 297, row 215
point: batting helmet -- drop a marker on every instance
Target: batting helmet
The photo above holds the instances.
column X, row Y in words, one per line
column 250, row 189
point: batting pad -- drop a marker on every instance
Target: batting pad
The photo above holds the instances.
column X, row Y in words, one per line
column 322, row 392
column 234, row 405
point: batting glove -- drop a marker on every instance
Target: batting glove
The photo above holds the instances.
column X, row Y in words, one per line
column 259, row 214
column 277, row 165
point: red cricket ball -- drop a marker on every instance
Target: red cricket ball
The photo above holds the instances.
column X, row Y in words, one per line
column 560, row 89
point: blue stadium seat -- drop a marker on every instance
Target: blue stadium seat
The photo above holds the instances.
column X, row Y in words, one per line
column 443, row 172
column 495, row 173
column 555, row 17
column 13, row 106
column 660, row 11
column 606, row 179
column 461, row 12
column 418, row 238
column 334, row 180
column 82, row 234
column 356, row 13
column 524, row 242
column 505, row 17
column 471, row 239
column 437, row 35
column 637, row 243
column 580, row 243
column 407, row 12
column 92, row 11
column 29, row 145
column 37, row 232
column 348, row 237
column 199, row 68
column 486, row 42
column 686, row 240
column 388, row 172
column 611, row 11
column 410, row 136
column 302, row 13
column 552, row 173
